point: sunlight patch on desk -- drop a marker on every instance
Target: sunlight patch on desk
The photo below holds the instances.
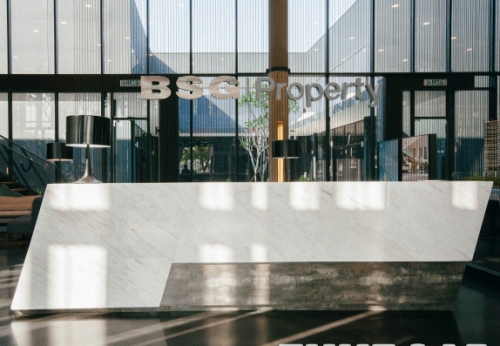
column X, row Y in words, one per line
column 259, row 196
column 304, row 196
column 224, row 193
column 258, row 253
column 361, row 196
column 76, row 276
column 82, row 198
column 465, row 195
column 215, row 253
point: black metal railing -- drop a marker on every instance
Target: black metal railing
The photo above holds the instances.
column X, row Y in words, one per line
column 27, row 168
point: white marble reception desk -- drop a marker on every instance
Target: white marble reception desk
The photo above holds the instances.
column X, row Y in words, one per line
column 112, row 246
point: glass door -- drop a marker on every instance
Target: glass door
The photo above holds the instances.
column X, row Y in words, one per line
column 134, row 147
column 424, row 113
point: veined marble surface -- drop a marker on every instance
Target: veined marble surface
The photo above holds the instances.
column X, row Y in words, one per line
column 112, row 245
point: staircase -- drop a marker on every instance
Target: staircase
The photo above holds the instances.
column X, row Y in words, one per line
column 9, row 187
column 28, row 173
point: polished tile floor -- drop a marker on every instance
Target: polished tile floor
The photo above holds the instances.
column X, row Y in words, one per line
column 474, row 320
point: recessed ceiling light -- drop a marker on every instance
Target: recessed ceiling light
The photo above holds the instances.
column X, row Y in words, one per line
column 469, row 49
column 64, row 23
column 37, row 31
column 88, row 5
column 99, row 44
column 181, row 5
column 15, row 57
column 405, row 60
column 426, row 23
column 221, row 59
column 109, row 60
column 380, row 50
column 395, row 6
column 127, row 38
column 316, row 49
column 351, row 38
column 454, row 38
column 44, row 64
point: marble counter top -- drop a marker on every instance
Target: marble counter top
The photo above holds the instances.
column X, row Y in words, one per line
column 112, row 245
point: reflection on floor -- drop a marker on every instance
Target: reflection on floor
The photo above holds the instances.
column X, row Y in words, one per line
column 475, row 319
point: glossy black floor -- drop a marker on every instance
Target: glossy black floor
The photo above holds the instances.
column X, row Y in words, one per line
column 474, row 320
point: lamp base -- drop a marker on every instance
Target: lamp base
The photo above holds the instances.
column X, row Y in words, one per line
column 87, row 179
column 87, row 176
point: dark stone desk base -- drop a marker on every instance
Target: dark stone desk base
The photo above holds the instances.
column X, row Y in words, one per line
column 314, row 286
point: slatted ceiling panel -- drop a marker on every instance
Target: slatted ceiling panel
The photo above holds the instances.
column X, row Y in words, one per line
column 79, row 37
column 125, row 38
column 350, row 36
column 306, row 36
column 213, row 37
column 32, row 24
column 393, row 28
column 253, row 36
column 3, row 37
column 471, row 112
column 169, row 30
column 430, row 36
column 470, row 35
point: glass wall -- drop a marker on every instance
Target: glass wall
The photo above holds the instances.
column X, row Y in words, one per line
column 33, row 126
column 4, row 131
column 3, row 37
column 349, row 135
column 253, row 133
column 471, row 112
column 328, row 40
column 32, row 24
column 307, row 123
column 497, row 35
column 212, row 153
column 79, row 36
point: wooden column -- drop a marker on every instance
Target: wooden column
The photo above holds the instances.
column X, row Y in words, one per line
column 278, row 71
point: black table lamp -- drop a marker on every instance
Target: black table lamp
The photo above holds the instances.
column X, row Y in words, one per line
column 88, row 131
column 58, row 151
column 285, row 149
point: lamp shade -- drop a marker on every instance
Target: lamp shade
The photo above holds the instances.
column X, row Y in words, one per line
column 83, row 130
column 285, row 149
column 59, row 152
